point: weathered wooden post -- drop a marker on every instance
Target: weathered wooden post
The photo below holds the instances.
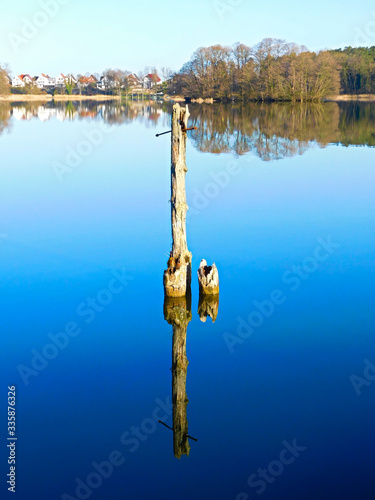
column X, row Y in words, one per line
column 177, row 312
column 177, row 278
column 208, row 278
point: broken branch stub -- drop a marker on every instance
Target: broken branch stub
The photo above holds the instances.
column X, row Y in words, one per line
column 177, row 278
column 208, row 278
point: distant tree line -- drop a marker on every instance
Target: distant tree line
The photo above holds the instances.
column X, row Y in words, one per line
column 357, row 69
column 275, row 70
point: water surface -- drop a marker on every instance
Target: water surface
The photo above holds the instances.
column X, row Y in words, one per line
column 84, row 238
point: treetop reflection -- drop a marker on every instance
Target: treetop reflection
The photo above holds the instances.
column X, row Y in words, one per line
column 279, row 130
column 268, row 130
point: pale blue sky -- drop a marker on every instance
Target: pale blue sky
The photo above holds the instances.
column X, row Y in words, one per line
column 91, row 35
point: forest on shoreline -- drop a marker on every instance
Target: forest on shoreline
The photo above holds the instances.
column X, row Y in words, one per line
column 275, row 70
column 272, row 70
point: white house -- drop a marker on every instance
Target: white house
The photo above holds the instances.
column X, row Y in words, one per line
column 71, row 79
column 104, row 83
column 18, row 82
column 27, row 79
column 45, row 81
column 150, row 80
column 22, row 80
column 107, row 83
column 60, row 80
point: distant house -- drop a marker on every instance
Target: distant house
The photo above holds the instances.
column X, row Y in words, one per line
column 105, row 83
column 133, row 81
column 82, row 81
column 27, row 79
column 86, row 80
column 60, row 80
column 71, row 79
column 18, row 82
column 150, row 80
column 22, row 80
column 51, row 81
column 45, row 81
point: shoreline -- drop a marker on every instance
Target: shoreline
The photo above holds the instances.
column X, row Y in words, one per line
column 86, row 98
column 351, row 97
column 101, row 98
column 25, row 97
column 48, row 98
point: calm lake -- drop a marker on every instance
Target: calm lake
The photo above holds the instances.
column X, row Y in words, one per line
column 281, row 387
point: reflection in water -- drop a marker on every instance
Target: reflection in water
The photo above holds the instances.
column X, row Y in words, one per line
column 177, row 312
column 279, row 130
column 208, row 306
column 270, row 131
column 111, row 112
column 5, row 115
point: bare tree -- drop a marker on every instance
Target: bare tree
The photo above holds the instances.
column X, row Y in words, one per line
column 4, row 80
column 167, row 73
column 273, row 70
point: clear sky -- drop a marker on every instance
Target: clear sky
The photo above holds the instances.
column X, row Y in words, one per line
column 82, row 36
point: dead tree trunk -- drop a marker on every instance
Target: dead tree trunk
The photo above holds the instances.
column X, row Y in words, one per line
column 177, row 278
column 208, row 278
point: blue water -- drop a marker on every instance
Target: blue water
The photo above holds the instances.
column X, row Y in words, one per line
column 63, row 243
